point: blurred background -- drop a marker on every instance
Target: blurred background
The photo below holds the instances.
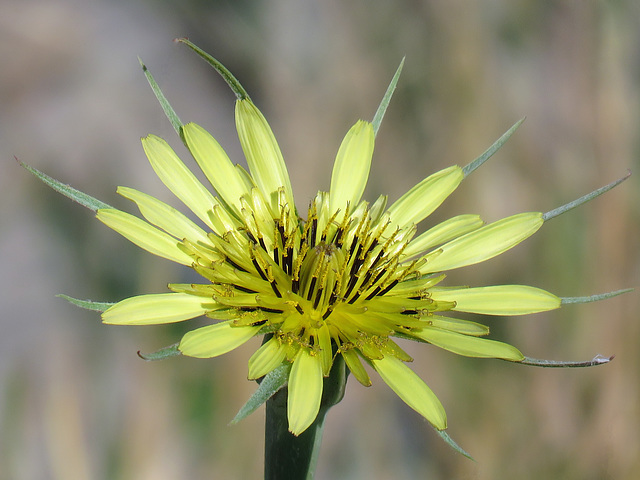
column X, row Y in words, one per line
column 75, row 400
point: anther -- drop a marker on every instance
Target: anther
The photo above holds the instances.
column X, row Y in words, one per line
column 388, row 287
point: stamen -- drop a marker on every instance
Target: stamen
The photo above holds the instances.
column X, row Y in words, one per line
column 270, row 310
column 258, row 269
column 312, row 236
column 316, row 301
column 354, row 298
column 274, row 287
column 243, row 289
column 234, row 264
column 252, row 239
column 388, row 287
column 352, row 283
column 312, row 285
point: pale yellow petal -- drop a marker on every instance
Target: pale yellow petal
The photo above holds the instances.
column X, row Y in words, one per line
column 443, row 232
column 214, row 340
column 326, row 353
column 483, row 243
column 419, row 202
column 215, row 164
column 469, row 346
column 459, row 326
column 144, row 235
column 498, row 299
column 305, row 391
column 178, row 178
column 351, row 168
column 266, row 358
column 263, row 154
column 164, row 216
column 355, row 366
column 156, row 309
column 411, row 389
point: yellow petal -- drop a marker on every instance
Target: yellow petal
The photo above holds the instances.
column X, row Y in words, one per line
column 459, row 326
column 214, row 340
column 443, row 232
column 355, row 366
column 351, row 168
column 483, row 243
column 144, row 235
column 266, row 358
column 326, row 353
column 156, row 309
column 469, row 346
column 419, row 202
column 263, row 154
column 178, row 178
column 164, row 216
column 215, row 164
column 498, row 299
column 411, row 389
column 305, row 391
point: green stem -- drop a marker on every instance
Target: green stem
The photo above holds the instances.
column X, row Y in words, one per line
column 285, row 455
column 294, row 458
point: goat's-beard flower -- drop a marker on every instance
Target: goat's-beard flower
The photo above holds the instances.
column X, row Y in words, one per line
column 342, row 280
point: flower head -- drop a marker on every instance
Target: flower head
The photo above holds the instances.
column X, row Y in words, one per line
column 341, row 280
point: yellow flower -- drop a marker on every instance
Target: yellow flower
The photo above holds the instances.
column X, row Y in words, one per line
column 342, row 280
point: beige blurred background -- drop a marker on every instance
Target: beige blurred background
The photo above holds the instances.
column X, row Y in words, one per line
column 75, row 400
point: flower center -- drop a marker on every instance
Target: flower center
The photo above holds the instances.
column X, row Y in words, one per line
column 319, row 276
column 310, row 282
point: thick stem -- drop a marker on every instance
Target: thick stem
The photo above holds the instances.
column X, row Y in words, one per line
column 290, row 457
